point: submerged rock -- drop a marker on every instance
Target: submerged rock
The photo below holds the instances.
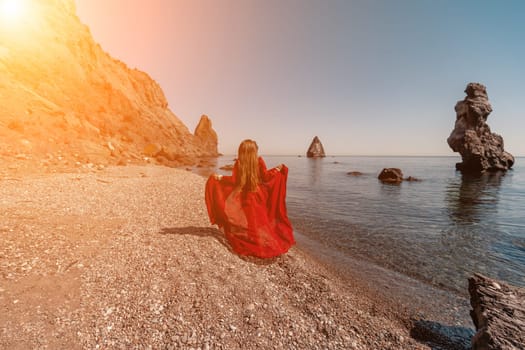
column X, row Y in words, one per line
column 391, row 175
column 412, row 179
column 316, row 149
column 227, row 167
column 480, row 149
column 354, row 173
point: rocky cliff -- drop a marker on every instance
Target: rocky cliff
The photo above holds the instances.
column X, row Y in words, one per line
column 64, row 98
column 480, row 149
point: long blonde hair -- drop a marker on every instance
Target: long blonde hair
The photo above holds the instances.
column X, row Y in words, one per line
column 248, row 166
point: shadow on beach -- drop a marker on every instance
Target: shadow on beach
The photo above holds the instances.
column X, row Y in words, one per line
column 439, row 336
column 219, row 236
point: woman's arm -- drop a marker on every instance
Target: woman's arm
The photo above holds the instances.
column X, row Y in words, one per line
column 268, row 174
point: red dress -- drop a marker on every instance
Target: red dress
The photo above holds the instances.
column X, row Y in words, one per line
column 255, row 223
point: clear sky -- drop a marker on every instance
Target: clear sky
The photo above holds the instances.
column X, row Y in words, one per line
column 369, row 77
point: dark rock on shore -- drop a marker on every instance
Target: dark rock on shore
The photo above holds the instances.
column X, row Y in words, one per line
column 498, row 312
column 391, row 175
column 481, row 150
column 316, row 149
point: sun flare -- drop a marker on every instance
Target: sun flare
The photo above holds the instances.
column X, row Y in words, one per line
column 11, row 10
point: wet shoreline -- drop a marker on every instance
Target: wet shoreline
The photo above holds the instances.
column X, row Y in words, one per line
column 434, row 316
column 421, row 299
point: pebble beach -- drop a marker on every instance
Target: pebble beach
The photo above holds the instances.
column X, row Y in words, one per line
column 124, row 257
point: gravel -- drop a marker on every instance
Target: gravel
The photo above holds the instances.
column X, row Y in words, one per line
column 125, row 258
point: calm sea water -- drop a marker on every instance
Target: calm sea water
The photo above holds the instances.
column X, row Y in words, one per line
column 439, row 230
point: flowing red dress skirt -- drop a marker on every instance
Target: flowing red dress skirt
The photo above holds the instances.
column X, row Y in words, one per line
column 255, row 223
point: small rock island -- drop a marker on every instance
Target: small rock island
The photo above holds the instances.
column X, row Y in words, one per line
column 481, row 150
column 316, row 149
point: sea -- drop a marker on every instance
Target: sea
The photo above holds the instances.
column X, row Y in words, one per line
column 439, row 230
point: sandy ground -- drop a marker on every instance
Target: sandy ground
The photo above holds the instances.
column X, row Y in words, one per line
column 124, row 257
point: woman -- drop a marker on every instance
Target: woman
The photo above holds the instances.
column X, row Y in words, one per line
column 250, row 205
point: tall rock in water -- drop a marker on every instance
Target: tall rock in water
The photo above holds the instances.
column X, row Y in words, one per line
column 316, row 149
column 206, row 136
column 480, row 149
column 61, row 93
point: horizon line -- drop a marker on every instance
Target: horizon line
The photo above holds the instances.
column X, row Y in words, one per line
column 360, row 155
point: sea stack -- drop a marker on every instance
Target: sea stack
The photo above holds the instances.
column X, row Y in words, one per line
column 206, row 137
column 480, row 149
column 316, row 149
